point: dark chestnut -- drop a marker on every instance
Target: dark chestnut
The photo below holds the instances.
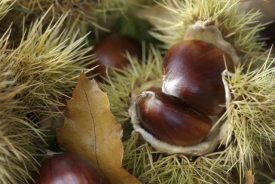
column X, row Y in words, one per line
column 268, row 34
column 66, row 168
column 171, row 120
column 111, row 52
column 192, row 72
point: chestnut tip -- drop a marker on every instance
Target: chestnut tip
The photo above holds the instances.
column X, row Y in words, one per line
column 172, row 87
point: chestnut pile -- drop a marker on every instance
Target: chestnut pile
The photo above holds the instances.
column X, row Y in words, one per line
column 192, row 92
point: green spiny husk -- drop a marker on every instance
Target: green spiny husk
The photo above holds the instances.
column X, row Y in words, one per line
column 235, row 27
column 151, row 166
column 252, row 119
column 17, row 133
column 18, row 151
column 250, row 113
column 83, row 16
column 5, row 7
column 139, row 159
column 51, row 59
column 34, row 75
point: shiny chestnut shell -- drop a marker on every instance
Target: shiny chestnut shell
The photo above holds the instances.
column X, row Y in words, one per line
column 66, row 168
column 111, row 51
column 192, row 72
column 171, row 120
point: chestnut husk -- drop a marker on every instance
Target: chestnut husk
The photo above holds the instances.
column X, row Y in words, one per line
column 66, row 168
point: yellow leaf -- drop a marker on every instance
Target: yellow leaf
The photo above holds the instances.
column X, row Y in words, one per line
column 91, row 131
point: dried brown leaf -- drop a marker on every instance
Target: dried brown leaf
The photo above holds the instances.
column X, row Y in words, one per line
column 92, row 132
column 249, row 177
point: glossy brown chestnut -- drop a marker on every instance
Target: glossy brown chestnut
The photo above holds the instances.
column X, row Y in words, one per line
column 111, row 52
column 66, row 168
column 192, row 72
column 171, row 120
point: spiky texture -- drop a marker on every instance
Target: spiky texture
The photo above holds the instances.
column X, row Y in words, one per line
column 51, row 59
column 223, row 14
column 17, row 133
column 17, row 149
column 250, row 112
column 153, row 167
column 5, row 7
column 43, row 68
column 126, row 80
column 87, row 15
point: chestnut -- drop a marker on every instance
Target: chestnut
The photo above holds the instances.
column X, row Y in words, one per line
column 192, row 72
column 66, row 168
column 170, row 120
column 111, row 51
column 268, row 35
